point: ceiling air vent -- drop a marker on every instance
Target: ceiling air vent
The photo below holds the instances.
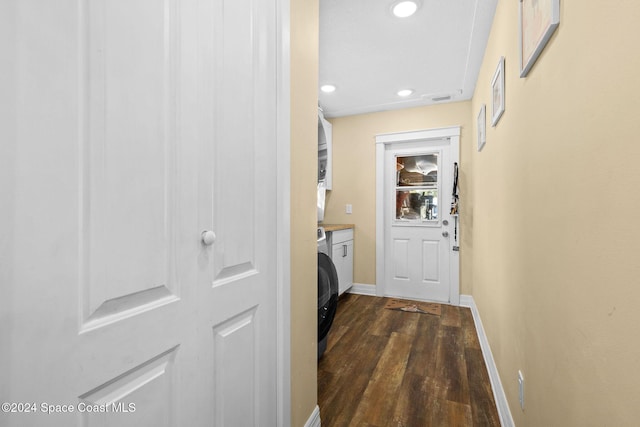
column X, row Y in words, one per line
column 441, row 98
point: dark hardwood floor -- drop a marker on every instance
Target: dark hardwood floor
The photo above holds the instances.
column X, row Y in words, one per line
column 392, row 368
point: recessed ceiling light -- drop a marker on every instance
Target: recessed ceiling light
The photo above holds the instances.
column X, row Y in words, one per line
column 404, row 9
column 327, row 88
column 405, row 92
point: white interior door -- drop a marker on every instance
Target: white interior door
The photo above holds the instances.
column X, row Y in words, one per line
column 418, row 226
column 135, row 126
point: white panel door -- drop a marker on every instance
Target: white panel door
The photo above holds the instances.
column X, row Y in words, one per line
column 418, row 188
column 137, row 125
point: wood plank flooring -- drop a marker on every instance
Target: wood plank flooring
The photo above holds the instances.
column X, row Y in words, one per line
column 392, row 368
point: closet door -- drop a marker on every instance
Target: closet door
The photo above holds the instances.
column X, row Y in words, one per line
column 140, row 214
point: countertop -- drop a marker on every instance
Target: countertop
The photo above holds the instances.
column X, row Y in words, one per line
column 336, row 227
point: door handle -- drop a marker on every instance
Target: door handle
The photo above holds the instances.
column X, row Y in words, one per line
column 208, row 237
column 445, row 234
column 344, row 251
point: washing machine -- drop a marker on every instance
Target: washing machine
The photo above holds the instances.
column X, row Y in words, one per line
column 327, row 291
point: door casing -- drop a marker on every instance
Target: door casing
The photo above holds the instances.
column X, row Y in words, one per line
column 383, row 140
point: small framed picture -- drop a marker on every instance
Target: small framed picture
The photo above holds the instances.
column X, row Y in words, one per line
column 482, row 127
column 497, row 93
column 538, row 21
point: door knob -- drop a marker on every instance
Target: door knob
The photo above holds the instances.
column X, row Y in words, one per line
column 208, row 237
column 445, row 222
column 445, row 234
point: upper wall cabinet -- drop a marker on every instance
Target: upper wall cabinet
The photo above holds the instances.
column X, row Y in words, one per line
column 324, row 150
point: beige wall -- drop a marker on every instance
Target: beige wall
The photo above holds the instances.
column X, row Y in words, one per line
column 556, row 251
column 354, row 172
column 304, row 148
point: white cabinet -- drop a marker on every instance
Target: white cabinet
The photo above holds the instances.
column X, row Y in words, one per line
column 342, row 256
column 325, row 150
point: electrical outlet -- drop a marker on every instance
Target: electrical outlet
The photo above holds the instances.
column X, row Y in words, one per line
column 521, row 389
column 349, row 208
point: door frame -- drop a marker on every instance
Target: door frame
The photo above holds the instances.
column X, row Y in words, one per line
column 283, row 212
column 382, row 141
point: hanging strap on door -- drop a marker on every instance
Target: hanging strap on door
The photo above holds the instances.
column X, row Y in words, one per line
column 454, row 193
column 454, row 206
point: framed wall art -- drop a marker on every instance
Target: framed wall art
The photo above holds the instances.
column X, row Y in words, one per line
column 538, row 21
column 482, row 127
column 497, row 93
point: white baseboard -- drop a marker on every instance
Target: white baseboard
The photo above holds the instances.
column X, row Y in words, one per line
column 506, row 420
column 314, row 418
column 363, row 289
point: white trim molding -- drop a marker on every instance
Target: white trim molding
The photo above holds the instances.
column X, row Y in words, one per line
column 314, row 418
column 418, row 135
column 506, row 420
column 363, row 289
column 283, row 226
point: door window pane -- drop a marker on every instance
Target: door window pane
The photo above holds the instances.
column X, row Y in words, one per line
column 417, row 205
column 417, row 187
column 417, row 170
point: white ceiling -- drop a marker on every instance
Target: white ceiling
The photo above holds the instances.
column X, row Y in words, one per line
column 369, row 54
